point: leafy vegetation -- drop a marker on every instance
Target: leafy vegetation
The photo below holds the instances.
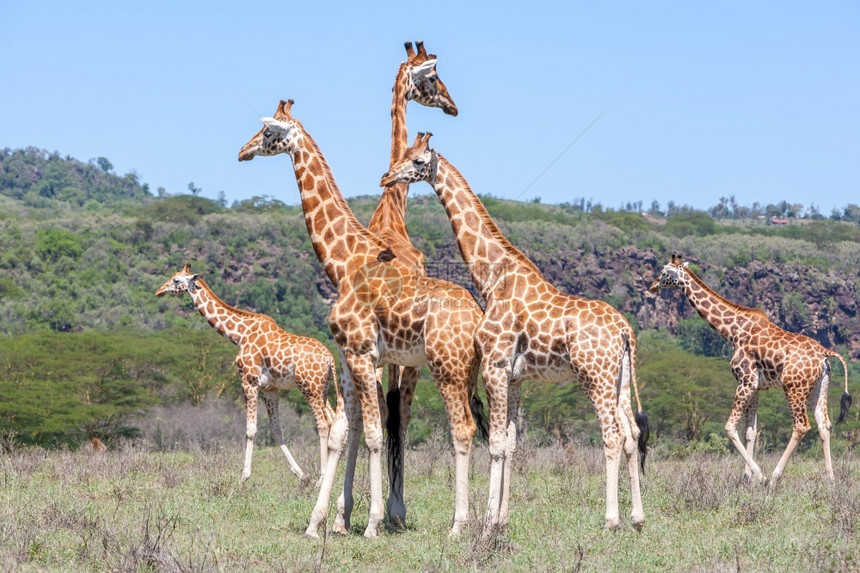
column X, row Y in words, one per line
column 86, row 347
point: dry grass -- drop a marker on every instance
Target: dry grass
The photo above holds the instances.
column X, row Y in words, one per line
column 133, row 508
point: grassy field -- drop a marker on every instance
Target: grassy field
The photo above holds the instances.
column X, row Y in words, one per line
column 132, row 509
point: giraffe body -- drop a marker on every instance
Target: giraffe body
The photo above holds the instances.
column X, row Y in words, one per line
column 269, row 359
column 532, row 331
column 765, row 356
column 385, row 313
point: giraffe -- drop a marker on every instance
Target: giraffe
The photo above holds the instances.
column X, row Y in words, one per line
column 416, row 80
column 765, row 356
column 269, row 359
column 385, row 313
column 532, row 331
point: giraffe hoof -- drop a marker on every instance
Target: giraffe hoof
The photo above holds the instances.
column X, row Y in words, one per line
column 638, row 524
column 613, row 524
column 311, row 534
column 371, row 532
column 340, row 528
column 456, row 528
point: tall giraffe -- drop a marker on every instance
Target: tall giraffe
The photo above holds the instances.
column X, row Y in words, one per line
column 385, row 313
column 416, row 80
column 765, row 356
column 532, row 331
column 269, row 359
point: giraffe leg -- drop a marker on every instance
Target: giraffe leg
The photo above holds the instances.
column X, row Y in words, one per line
column 797, row 405
column 369, row 393
column 395, row 506
column 346, row 501
column 514, row 394
column 249, row 385
column 453, row 383
column 613, row 444
column 271, row 399
column 627, row 421
column 323, row 416
column 745, row 391
column 822, row 417
column 338, row 433
column 751, row 431
column 496, row 386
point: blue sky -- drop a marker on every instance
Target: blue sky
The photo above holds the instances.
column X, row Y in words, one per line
column 698, row 101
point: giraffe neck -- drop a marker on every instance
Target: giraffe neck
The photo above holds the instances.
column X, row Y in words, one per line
column 721, row 314
column 389, row 219
column 335, row 233
column 225, row 319
column 399, row 99
column 488, row 254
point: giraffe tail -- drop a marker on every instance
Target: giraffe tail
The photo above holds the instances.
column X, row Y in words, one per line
column 339, row 405
column 640, row 416
column 476, row 405
column 394, row 442
column 845, row 401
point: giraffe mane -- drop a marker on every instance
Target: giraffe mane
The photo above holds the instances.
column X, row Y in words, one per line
column 337, row 196
column 732, row 305
column 229, row 307
column 485, row 218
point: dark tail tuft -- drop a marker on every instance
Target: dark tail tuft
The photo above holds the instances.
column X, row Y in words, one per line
column 477, row 408
column 644, row 433
column 844, row 404
column 392, row 426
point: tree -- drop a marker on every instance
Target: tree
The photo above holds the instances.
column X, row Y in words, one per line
column 105, row 165
column 194, row 189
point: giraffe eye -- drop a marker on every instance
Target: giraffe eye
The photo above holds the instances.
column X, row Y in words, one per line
column 419, row 162
column 267, row 133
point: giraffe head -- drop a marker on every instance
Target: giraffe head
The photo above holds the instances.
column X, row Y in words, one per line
column 671, row 275
column 181, row 282
column 275, row 137
column 423, row 83
column 418, row 163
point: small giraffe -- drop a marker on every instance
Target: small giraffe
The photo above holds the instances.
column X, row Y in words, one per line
column 385, row 313
column 532, row 331
column 416, row 80
column 269, row 359
column 765, row 356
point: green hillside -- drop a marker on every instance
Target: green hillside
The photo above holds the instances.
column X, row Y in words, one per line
column 82, row 251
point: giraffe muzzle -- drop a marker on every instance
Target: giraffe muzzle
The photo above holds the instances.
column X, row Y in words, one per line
column 387, row 180
column 655, row 286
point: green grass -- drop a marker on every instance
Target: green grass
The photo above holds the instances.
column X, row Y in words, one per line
column 134, row 509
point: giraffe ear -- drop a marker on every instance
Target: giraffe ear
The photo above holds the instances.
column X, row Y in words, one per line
column 424, row 68
column 275, row 124
column 686, row 264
